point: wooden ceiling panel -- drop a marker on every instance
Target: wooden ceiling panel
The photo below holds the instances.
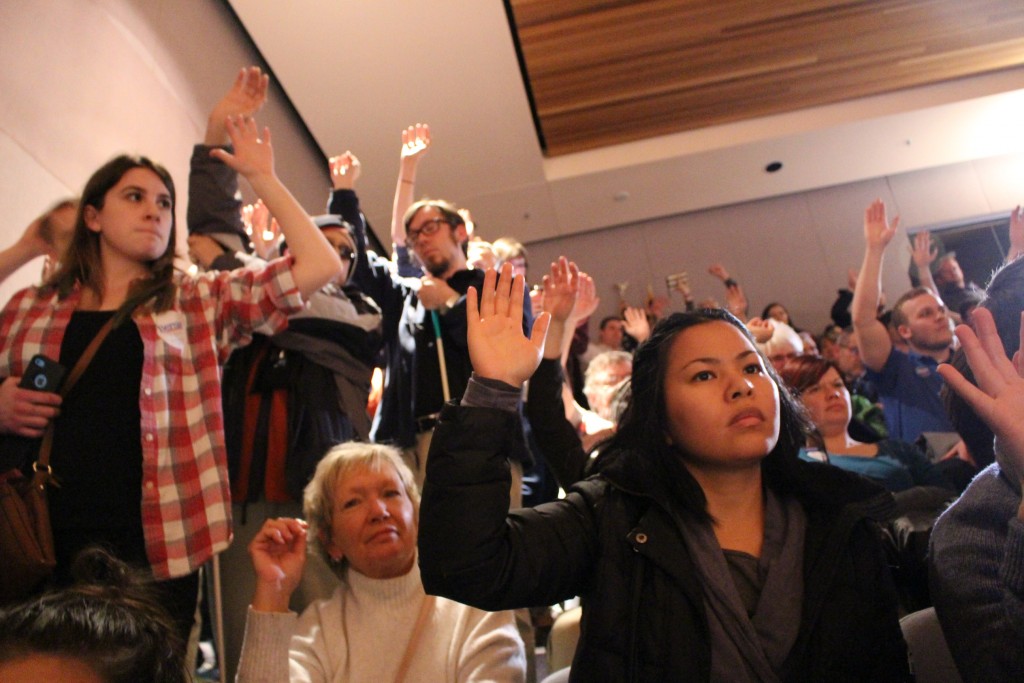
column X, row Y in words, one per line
column 606, row 72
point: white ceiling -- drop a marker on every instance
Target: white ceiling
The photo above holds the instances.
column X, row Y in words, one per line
column 358, row 72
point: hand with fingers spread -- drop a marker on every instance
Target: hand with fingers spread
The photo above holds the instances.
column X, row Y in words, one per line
column 345, row 170
column 636, row 324
column 497, row 346
column 999, row 397
column 246, row 97
column 26, row 412
column 278, row 555
column 254, row 154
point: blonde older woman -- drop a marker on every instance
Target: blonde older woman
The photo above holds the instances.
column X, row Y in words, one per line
column 363, row 511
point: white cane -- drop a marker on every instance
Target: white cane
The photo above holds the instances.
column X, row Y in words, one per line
column 218, row 620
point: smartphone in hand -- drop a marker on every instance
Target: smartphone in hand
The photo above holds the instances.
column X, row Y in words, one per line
column 43, row 374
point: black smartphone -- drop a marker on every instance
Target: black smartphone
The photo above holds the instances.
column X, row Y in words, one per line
column 43, row 374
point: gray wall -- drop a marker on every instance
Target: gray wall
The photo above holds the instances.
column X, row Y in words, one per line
column 795, row 249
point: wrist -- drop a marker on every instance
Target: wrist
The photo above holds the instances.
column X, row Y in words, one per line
column 270, row 599
column 448, row 304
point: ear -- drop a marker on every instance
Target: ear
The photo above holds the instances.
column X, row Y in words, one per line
column 91, row 217
column 460, row 233
column 332, row 552
column 903, row 331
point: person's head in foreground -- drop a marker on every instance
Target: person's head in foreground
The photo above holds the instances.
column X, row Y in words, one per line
column 106, row 628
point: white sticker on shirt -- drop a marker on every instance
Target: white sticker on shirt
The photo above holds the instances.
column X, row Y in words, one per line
column 170, row 326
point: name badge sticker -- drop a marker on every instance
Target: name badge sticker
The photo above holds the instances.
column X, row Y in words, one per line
column 170, row 326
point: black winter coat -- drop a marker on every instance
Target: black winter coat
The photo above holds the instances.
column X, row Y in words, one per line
column 614, row 542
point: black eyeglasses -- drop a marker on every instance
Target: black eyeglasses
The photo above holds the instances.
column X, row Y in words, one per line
column 428, row 227
column 346, row 254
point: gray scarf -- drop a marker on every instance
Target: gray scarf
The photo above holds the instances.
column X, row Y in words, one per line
column 745, row 648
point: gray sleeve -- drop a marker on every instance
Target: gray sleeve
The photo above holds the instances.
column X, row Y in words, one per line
column 264, row 657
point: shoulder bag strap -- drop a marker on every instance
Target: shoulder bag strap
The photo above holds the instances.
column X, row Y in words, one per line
column 42, row 464
column 425, row 609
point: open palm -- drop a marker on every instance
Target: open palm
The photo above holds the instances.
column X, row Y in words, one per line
column 497, row 346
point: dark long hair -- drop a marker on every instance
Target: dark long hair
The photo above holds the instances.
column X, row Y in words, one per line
column 108, row 620
column 82, row 263
column 644, row 424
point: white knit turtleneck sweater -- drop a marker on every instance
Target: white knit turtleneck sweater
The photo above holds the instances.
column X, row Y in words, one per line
column 361, row 632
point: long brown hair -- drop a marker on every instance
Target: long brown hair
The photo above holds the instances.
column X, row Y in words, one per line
column 82, row 263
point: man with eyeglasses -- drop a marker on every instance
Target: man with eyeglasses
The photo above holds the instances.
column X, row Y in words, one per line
column 419, row 315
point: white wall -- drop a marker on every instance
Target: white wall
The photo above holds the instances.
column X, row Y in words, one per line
column 84, row 80
column 795, row 249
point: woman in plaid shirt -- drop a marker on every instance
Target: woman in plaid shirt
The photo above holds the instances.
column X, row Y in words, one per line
column 139, row 446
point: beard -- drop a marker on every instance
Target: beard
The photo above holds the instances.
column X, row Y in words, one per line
column 438, row 268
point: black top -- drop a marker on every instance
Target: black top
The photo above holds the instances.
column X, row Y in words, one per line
column 97, row 445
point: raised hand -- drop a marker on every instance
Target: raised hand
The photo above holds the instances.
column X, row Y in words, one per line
column 587, row 299
column 254, row 155
column 561, row 287
column 719, row 271
column 851, row 278
column 762, row 330
column 278, row 555
column 635, row 323
column 1000, row 399
column 923, row 252
column 415, row 142
column 345, row 170
column 497, row 346
column 261, row 227
column 246, row 97
column 878, row 230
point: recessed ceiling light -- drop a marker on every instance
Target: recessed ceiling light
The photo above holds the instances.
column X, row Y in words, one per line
column 773, row 167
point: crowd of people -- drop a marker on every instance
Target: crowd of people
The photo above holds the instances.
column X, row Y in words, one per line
column 728, row 496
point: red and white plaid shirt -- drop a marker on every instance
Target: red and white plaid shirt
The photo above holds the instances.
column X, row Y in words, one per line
column 186, row 511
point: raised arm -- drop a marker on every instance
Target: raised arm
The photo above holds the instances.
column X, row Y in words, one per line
column 316, row 262
column 415, row 142
column 977, row 549
column 213, row 199
column 923, row 253
column 875, row 344
column 735, row 299
column 246, row 97
column 29, row 246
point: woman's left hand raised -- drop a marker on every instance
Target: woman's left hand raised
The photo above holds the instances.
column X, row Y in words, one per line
column 497, row 346
column 278, row 557
column 254, row 155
